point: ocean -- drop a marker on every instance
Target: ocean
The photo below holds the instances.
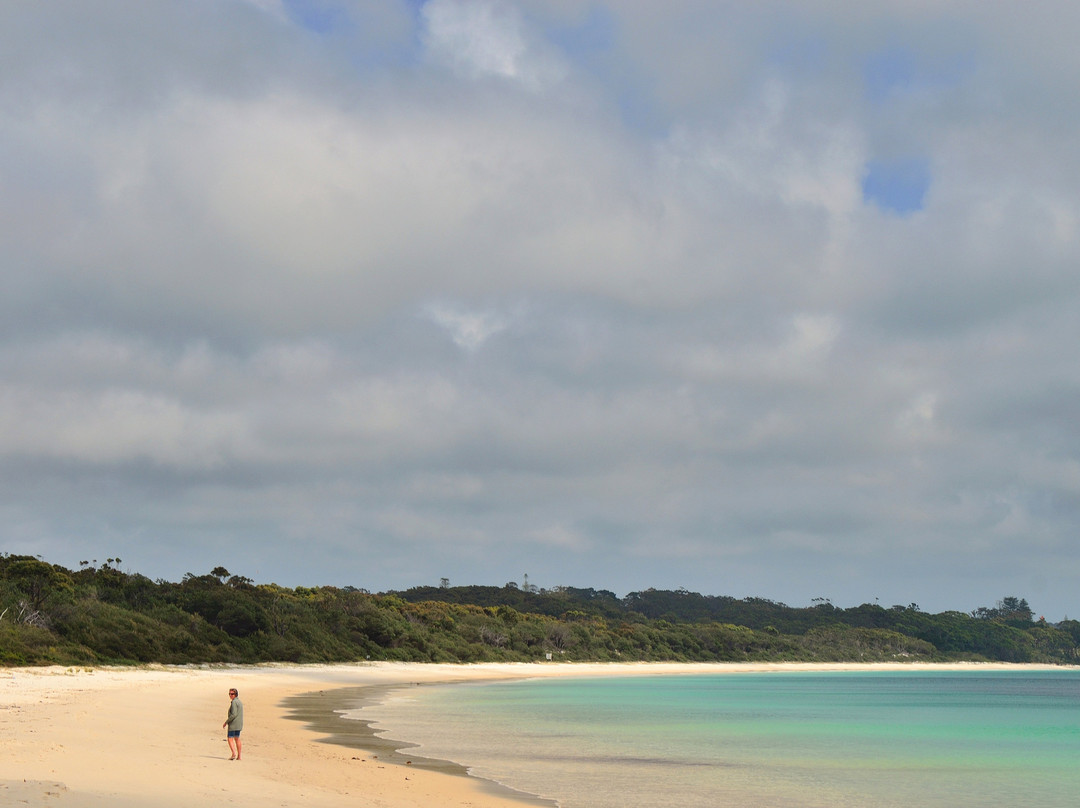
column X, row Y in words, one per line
column 866, row 739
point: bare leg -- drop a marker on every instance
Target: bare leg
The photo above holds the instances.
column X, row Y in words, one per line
column 238, row 747
column 232, row 747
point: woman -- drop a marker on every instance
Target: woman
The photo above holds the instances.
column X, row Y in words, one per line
column 235, row 723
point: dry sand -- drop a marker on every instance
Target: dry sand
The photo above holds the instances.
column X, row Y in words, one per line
column 152, row 737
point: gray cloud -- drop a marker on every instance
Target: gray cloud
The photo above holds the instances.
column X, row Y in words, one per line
column 374, row 294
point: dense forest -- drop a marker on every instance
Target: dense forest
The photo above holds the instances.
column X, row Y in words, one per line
column 100, row 614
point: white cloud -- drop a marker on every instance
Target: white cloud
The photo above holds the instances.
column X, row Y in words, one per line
column 480, row 38
column 275, row 8
column 469, row 330
column 917, row 421
column 117, row 426
column 680, row 327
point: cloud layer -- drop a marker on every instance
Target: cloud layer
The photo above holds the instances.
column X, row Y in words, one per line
column 750, row 300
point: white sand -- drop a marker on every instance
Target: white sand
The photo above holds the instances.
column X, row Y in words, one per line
column 152, row 737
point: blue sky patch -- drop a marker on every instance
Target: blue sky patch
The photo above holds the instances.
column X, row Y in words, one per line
column 887, row 71
column 595, row 33
column 317, row 16
column 897, row 186
column 897, row 69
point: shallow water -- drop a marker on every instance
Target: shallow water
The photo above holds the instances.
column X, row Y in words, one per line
column 759, row 739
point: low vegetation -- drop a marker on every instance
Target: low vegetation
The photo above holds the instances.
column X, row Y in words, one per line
column 100, row 614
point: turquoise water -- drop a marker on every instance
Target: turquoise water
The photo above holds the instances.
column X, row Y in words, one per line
column 771, row 739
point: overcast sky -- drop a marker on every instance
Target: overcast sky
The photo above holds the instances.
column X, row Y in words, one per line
column 758, row 299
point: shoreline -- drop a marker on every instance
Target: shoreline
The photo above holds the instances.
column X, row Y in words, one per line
column 327, row 713
column 150, row 736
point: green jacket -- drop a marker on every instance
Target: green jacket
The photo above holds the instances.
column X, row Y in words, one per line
column 236, row 715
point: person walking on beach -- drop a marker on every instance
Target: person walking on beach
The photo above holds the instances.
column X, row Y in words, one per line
column 235, row 723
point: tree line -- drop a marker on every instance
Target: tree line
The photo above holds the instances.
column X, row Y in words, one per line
column 100, row 614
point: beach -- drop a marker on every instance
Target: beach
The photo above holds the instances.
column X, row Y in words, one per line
column 151, row 736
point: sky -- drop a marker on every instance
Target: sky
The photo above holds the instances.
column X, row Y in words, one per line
column 762, row 299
